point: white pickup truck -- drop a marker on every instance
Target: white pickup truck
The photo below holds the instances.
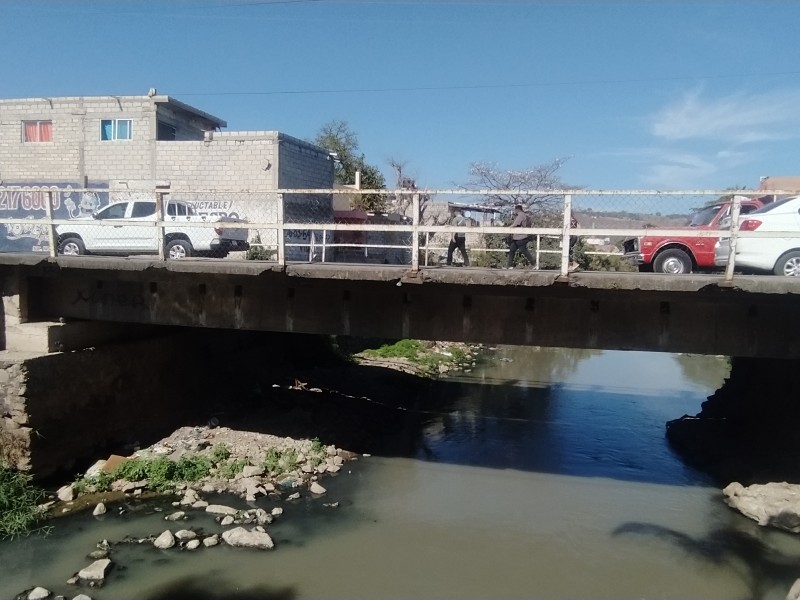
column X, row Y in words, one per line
column 129, row 228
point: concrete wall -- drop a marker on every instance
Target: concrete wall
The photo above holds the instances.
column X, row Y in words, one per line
column 57, row 410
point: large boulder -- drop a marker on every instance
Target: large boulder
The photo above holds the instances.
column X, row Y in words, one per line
column 241, row 537
column 773, row 504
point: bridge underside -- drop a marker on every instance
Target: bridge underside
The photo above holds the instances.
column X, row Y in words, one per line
column 591, row 310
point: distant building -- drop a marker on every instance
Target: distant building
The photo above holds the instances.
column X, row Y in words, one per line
column 140, row 142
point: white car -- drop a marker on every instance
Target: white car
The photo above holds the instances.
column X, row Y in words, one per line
column 779, row 254
column 131, row 230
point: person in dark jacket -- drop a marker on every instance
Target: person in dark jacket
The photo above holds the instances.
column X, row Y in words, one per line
column 518, row 242
column 458, row 239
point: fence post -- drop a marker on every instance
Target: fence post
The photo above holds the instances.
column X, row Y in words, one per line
column 565, row 234
column 415, row 234
column 538, row 250
column 735, row 210
column 51, row 229
column 159, row 228
column 427, row 238
column 281, row 233
column 324, row 243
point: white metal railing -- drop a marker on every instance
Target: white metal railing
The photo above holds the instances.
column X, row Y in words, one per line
column 418, row 237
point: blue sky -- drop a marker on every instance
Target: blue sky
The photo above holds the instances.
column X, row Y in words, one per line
column 638, row 95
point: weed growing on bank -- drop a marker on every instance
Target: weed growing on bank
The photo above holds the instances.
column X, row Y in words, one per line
column 427, row 356
column 19, row 503
column 162, row 474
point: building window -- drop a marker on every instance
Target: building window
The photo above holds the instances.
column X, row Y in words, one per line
column 166, row 132
column 115, row 129
column 37, row 131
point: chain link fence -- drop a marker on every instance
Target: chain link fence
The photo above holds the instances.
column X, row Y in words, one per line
column 671, row 232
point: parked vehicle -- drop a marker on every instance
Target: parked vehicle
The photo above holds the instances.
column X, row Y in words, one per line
column 688, row 252
column 134, row 232
column 780, row 255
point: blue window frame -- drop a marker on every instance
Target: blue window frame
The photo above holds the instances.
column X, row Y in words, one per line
column 116, row 129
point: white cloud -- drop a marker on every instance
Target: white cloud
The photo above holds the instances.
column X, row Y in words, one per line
column 739, row 118
column 677, row 171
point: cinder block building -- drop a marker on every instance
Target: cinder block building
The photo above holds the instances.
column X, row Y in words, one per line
column 139, row 143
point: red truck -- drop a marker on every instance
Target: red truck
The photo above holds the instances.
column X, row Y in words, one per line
column 686, row 253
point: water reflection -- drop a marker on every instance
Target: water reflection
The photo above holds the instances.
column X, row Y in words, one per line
column 567, row 411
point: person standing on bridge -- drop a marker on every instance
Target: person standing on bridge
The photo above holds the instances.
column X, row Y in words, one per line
column 518, row 242
column 458, row 239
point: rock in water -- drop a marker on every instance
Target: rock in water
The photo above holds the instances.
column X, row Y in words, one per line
column 240, row 537
column 165, row 540
column 774, row 504
column 95, row 571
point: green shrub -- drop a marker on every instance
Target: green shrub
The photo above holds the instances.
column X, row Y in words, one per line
column 259, row 252
column 271, row 460
column 231, row 469
column 19, row 502
column 409, row 349
column 132, row 470
column 289, row 460
column 220, row 453
column 278, row 462
column 192, row 468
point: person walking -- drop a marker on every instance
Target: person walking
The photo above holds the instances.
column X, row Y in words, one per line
column 518, row 242
column 458, row 239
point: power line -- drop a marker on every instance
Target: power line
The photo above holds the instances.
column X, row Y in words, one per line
column 492, row 86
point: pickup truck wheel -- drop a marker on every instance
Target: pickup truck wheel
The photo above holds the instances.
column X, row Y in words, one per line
column 72, row 246
column 788, row 264
column 673, row 261
column 177, row 249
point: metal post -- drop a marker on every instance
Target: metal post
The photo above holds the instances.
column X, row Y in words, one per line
column 565, row 234
column 51, row 229
column 415, row 234
column 159, row 228
column 311, row 247
column 538, row 250
column 734, row 230
column 324, row 238
column 281, row 234
column 427, row 235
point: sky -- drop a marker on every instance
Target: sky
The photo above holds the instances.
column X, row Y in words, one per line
column 633, row 94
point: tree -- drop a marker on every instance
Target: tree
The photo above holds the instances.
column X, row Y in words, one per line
column 338, row 138
column 403, row 202
column 544, row 207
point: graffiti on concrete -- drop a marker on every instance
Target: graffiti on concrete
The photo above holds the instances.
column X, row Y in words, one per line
column 101, row 297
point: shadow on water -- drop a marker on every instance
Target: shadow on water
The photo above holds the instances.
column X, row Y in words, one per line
column 192, row 589
column 757, row 563
column 509, row 420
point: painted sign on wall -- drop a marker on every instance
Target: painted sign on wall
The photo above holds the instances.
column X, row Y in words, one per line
column 28, row 201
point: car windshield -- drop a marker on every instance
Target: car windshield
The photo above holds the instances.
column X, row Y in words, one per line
column 773, row 205
column 704, row 216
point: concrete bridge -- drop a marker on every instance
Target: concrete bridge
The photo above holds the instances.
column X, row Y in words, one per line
column 64, row 303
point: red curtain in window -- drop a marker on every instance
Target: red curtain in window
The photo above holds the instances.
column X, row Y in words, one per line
column 39, row 131
column 32, row 132
column 46, row 131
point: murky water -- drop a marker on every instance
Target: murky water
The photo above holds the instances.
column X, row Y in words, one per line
column 547, row 476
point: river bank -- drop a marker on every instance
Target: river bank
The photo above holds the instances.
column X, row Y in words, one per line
column 249, row 461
